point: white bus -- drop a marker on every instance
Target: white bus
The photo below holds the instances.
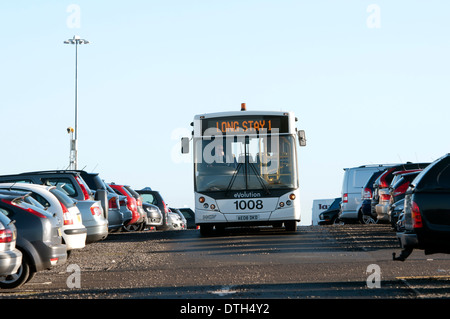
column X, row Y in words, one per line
column 245, row 169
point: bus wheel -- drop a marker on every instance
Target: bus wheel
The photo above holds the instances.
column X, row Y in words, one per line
column 290, row 225
column 206, row 230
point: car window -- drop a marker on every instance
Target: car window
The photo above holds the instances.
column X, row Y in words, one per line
column 443, row 178
column 41, row 200
column 5, row 212
column 189, row 214
column 26, row 181
column 63, row 184
column 62, row 197
column 149, row 198
column 32, row 201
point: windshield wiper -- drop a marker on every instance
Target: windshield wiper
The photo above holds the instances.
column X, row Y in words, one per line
column 252, row 166
column 258, row 176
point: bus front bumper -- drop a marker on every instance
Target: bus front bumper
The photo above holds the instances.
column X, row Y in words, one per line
column 256, row 218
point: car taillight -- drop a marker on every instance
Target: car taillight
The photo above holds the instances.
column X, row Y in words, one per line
column 54, row 261
column 131, row 205
column 415, row 215
column 67, row 216
column 112, row 203
column 383, row 182
column 83, row 188
column 6, row 236
column 367, row 193
column 345, row 198
column 96, row 211
column 401, row 189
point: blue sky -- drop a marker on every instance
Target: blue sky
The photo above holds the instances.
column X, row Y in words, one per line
column 363, row 94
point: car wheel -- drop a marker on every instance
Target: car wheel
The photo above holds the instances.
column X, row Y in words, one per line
column 365, row 219
column 132, row 227
column 206, row 230
column 368, row 220
column 290, row 225
column 23, row 275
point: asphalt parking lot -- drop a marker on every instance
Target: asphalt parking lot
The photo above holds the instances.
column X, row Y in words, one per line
column 329, row 262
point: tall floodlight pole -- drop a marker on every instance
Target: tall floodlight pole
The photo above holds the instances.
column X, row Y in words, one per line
column 74, row 145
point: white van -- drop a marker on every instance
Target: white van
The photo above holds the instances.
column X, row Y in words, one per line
column 354, row 180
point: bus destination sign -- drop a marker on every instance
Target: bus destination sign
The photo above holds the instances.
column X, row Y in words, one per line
column 246, row 124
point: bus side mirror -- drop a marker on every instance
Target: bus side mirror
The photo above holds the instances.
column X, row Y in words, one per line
column 184, row 145
column 301, row 138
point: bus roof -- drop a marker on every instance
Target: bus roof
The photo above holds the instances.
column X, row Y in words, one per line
column 240, row 113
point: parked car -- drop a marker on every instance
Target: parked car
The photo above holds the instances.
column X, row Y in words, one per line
column 354, row 180
column 137, row 219
column 331, row 215
column 143, row 215
column 382, row 207
column 154, row 215
column 127, row 214
column 73, row 185
column 154, row 197
column 397, row 212
column 182, row 218
column 56, row 202
column 175, row 221
column 397, row 190
column 365, row 207
column 108, row 198
column 38, row 238
column 189, row 215
column 10, row 256
column 427, row 211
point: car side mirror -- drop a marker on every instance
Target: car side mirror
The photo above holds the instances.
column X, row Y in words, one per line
column 184, row 145
column 301, row 137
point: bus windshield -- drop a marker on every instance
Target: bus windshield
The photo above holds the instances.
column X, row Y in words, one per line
column 237, row 163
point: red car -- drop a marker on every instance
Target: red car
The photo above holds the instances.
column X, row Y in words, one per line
column 132, row 204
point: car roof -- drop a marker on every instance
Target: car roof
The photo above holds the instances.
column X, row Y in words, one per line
column 43, row 173
column 27, row 186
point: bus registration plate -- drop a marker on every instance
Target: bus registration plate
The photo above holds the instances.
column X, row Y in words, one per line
column 247, row 217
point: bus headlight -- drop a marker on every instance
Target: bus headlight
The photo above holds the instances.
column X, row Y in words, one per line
column 201, row 199
column 292, row 196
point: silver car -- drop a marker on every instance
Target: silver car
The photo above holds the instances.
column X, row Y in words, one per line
column 73, row 185
column 176, row 220
column 56, row 202
column 93, row 219
column 10, row 256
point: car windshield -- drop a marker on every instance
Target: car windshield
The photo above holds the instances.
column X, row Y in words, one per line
column 245, row 163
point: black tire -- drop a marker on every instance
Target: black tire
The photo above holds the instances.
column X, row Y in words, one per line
column 290, row 225
column 364, row 219
column 132, row 227
column 23, row 275
column 206, row 230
